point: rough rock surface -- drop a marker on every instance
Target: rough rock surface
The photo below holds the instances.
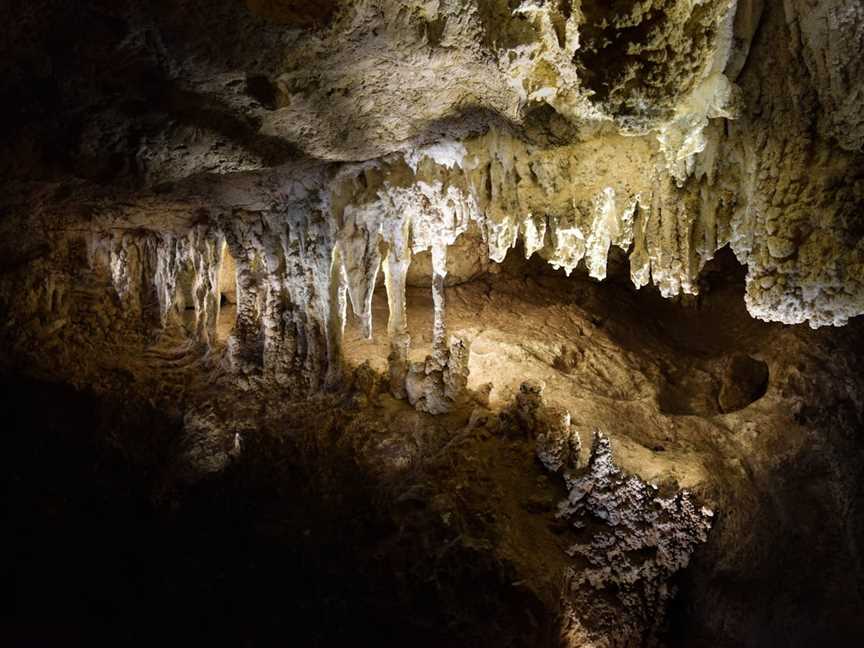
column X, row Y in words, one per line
column 635, row 541
column 515, row 113
column 210, row 208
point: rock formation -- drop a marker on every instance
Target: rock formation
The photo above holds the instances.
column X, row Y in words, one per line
column 426, row 233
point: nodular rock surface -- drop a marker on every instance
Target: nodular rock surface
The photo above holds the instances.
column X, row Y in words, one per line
column 449, row 245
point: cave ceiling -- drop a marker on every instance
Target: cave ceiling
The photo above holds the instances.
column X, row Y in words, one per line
column 661, row 127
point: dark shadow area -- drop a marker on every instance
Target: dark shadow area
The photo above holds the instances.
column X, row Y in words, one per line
column 746, row 381
column 790, row 572
column 295, row 13
column 211, row 113
column 292, row 544
column 263, row 90
column 96, row 83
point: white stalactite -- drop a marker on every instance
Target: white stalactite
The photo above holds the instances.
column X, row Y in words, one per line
column 395, row 271
column 439, row 329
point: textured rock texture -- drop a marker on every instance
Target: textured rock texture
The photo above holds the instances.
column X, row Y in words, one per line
column 434, row 234
column 635, row 542
column 659, row 127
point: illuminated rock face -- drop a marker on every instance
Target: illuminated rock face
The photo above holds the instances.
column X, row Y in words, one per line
column 658, row 127
column 288, row 157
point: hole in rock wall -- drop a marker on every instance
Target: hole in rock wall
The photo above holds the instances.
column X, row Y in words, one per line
column 746, row 382
column 263, row 91
column 714, row 386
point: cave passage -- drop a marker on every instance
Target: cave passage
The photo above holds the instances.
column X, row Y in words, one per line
column 524, row 321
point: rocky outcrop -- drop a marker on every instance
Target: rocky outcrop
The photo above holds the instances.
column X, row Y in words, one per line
column 634, row 541
column 628, row 540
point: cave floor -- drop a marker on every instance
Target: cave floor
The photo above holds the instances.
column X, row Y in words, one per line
column 650, row 374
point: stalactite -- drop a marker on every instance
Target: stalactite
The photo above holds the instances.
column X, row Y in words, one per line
column 604, row 228
column 143, row 267
column 360, row 241
column 325, row 312
column 568, row 243
column 169, row 256
column 335, row 320
column 302, row 318
column 395, row 270
column 640, row 264
column 148, row 290
column 298, row 279
column 439, row 330
column 279, row 330
column 296, row 290
column 243, row 238
column 205, row 248
column 125, row 267
column 534, row 234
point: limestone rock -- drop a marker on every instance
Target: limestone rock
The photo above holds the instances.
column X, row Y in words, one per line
column 636, row 540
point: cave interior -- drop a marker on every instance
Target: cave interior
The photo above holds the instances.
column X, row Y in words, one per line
column 433, row 322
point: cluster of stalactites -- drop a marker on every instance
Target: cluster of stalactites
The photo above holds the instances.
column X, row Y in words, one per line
column 296, row 273
column 157, row 276
column 387, row 233
column 289, row 319
column 444, row 197
column 299, row 269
